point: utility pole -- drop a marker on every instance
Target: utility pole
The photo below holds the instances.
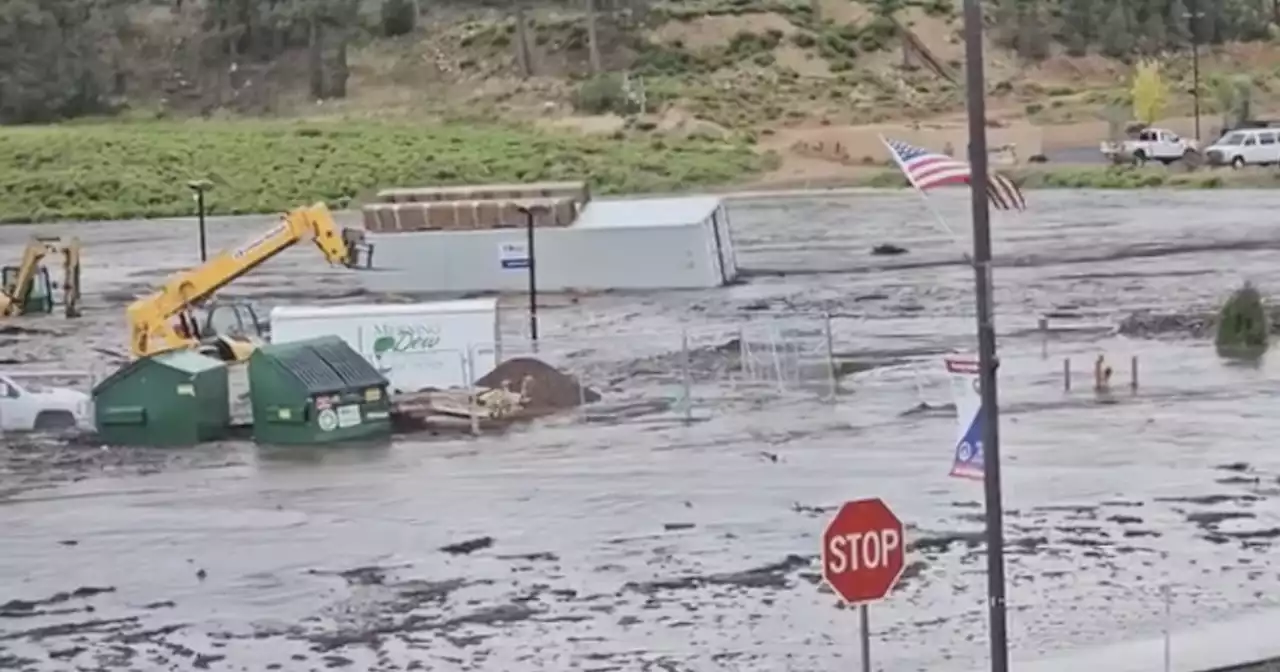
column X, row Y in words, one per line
column 1195, row 16
column 989, row 414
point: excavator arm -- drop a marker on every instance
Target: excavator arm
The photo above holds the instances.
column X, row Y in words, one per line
column 162, row 321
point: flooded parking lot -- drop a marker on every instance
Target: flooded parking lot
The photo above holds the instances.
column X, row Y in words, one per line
column 668, row 546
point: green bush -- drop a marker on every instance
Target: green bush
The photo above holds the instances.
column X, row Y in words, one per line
column 399, row 17
column 1243, row 325
column 746, row 43
column 115, row 171
column 804, row 40
column 658, row 59
column 603, row 94
column 878, row 35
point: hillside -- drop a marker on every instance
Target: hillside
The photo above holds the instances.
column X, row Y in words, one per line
column 815, row 80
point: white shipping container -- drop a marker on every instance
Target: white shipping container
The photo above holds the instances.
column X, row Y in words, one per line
column 653, row 243
column 442, row 345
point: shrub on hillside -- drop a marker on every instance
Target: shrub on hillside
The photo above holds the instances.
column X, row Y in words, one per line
column 399, row 17
column 1242, row 322
column 603, row 94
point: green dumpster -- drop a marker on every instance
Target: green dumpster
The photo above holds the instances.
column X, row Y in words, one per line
column 172, row 399
column 317, row 390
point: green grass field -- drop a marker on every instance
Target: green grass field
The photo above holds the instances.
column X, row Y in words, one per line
column 129, row 170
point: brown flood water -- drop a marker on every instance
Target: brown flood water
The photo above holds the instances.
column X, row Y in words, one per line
column 648, row 544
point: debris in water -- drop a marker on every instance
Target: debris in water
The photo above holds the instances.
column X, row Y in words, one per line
column 1208, row 519
column 469, row 546
column 925, row 407
column 888, row 249
column 773, row 575
column 28, row 607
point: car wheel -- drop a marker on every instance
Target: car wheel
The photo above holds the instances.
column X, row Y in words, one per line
column 1140, row 157
column 1237, row 162
column 54, row 421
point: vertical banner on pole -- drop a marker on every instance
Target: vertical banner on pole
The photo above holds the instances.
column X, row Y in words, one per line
column 965, row 392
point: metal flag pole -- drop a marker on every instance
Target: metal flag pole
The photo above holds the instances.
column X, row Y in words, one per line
column 976, row 90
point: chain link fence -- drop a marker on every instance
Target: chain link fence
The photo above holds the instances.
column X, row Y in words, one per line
column 683, row 374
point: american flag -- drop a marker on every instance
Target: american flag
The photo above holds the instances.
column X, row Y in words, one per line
column 928, row 170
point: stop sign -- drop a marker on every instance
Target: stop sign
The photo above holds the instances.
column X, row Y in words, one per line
column 863, row 551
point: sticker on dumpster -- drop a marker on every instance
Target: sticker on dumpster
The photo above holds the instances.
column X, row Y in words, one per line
column 349, row 415
column 328, row 420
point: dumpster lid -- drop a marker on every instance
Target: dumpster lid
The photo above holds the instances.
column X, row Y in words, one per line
column 188, row 361
column 185, row 361
column 325, row 364
column 354, row 370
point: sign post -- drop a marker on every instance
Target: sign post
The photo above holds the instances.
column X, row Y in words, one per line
column 863, row 556
column 201, row 186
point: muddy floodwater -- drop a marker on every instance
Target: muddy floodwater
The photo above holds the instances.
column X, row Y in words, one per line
column 603, row 542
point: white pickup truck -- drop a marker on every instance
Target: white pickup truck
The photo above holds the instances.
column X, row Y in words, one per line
column 1151, row 144
column 31, row 407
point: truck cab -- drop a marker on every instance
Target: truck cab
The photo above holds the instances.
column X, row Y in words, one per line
column 31, row 407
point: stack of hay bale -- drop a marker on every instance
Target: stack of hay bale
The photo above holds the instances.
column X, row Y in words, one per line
column 475, row 207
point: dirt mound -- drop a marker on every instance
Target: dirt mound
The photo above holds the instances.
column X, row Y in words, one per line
column 548, row 388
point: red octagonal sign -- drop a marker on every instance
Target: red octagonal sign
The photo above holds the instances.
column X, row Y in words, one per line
column 863, row 551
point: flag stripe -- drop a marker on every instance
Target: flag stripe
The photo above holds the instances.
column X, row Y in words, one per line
column 927, row 170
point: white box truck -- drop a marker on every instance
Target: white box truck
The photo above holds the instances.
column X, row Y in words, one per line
column 440, row 345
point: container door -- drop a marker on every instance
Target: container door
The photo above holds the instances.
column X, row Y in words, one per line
column 726, row 242
column 716, row 251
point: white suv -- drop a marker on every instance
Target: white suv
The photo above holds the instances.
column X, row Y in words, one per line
column 1247, row 147
column 31, row 407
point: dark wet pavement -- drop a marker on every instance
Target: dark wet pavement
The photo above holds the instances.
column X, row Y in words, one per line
column 656, row 545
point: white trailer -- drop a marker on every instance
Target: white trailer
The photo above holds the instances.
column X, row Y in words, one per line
column 442, row 345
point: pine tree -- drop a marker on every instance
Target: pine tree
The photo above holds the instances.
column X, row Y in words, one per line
column 1154, row 37
column 1033, row 35
column 1116, row 37
column 1178, row 26
column 1077, row 25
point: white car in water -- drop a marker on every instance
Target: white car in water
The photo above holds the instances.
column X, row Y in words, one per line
column 32, row 407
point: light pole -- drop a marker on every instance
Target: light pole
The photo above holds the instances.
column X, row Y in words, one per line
column 1194, row 16
column 201, row 186
column 989, row 413
column 530, row 213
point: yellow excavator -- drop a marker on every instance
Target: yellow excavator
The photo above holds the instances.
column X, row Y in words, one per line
column 166, row 320
column 25, row 289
